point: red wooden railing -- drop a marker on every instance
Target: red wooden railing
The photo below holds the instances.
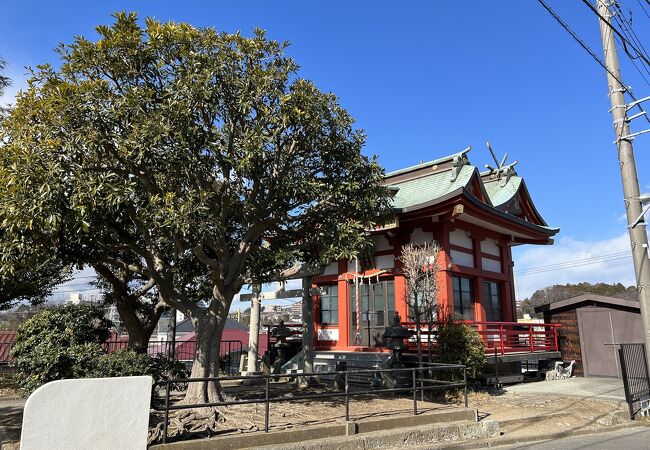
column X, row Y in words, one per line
column 506, row 337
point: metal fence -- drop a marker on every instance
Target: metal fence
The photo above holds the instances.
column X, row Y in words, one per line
column 636, row 381
column 419, row 380
column 183, row 351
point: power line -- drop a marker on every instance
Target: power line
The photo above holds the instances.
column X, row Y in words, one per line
column 571, row 266
column 626, row 43
column 582, row 261
column 631, row 34
column 591, row 52
column 588, row 258
column 643, row 7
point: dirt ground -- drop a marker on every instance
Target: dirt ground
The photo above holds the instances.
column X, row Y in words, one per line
column 518, row 414
column 530, row 414
column 11, row 413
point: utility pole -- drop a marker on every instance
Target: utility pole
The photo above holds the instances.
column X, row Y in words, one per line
column 636, row 224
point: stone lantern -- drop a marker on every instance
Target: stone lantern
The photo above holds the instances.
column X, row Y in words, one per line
column 395, row 337
column 281, row 332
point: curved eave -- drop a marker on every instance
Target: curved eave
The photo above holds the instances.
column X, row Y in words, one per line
column 524, row 189
column 540, row 232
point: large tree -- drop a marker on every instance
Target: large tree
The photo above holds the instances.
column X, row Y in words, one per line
column 169, row 144
column 27, row 273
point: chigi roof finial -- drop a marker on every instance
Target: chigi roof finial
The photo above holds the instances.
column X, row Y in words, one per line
column 501, row 167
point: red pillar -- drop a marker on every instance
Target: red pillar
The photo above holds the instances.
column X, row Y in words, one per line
column 344, row 307
column 446, row 295
column 508, row 303
column 479, row 306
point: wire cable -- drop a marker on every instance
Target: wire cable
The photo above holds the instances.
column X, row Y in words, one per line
column 592, row 53
column 643, row 7
column 626, row 43
column 570, row 265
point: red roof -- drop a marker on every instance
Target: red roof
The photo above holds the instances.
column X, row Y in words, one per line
column 6, row 340
column 186, row 345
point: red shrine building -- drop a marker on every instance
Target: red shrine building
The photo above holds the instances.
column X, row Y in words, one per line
column 476, row 217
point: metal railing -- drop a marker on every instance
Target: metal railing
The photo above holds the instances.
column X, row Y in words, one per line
column 420, row 380
column 505, row 337
column 636, row 380
column 183, row 351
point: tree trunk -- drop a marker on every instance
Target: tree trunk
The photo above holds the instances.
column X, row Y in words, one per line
column 139, row 333
column 209, row 328
column 430, row 325
column 418, row 329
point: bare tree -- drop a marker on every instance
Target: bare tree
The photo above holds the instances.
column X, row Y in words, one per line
column 420, row 267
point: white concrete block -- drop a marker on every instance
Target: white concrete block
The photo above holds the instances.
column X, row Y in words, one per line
column 88, row 413
column 328, row 334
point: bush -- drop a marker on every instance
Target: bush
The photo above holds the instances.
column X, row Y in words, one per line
column 124, row 363
column 65, row 342
column 57, row 343
column 460, row 344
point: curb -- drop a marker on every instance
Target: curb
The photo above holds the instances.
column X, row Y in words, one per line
column 499, row 441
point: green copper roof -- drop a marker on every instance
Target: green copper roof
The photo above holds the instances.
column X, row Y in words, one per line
column 430, row 187
column 427, row 183
column 501, row 194
column 427, row 164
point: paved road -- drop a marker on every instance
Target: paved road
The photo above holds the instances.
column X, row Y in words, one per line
column 631, row 438
column 609, row 389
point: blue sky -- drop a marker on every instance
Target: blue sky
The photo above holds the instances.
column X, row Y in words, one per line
column 425, row 79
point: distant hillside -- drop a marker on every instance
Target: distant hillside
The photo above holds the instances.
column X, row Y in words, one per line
column 559, row 292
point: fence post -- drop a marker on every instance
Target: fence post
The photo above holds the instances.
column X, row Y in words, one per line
column 501, row 339
column 626, row 381
column 415, row 395
column 266, row 404
column 347, row 397
column 557, row 347
column 496, row 368
column 166, row 419
column 465, row 380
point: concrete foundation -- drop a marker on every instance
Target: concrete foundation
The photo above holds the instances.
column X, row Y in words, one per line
column 453, row 424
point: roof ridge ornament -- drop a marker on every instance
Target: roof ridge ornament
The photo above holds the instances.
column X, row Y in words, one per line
column 501, row 167
column 460, row 159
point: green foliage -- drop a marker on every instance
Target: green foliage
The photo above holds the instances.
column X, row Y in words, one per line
column 57, row 343
column 124, row 363
column 65, row 342
column 458, row 343
column 194, row 158
column 557, row 292
column 162, row 144
column 31, row 277
column 4, row 81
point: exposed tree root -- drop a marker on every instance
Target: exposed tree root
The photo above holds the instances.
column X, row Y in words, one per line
column 205, row 422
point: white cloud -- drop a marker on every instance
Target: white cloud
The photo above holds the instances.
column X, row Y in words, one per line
column 570, row 250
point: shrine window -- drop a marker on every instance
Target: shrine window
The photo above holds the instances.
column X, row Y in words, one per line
column 329, row 304
column 492, row 301
column 463, row 297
